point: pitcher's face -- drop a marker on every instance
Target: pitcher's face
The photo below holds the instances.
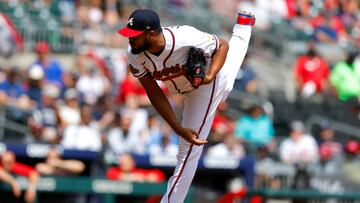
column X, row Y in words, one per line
column 140, row 43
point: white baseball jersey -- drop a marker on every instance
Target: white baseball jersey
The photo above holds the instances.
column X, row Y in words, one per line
column 169, row 66
column 200, row 104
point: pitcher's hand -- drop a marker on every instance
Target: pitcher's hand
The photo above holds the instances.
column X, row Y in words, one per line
column 191, row 136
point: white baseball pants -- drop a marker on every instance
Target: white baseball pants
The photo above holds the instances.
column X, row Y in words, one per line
column 199, row 111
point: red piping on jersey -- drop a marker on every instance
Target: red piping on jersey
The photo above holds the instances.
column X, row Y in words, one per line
column 191, row 146
column 216, row 45
column 172, row 48
column 177, row 89
column 142, row 74
column 147, row 56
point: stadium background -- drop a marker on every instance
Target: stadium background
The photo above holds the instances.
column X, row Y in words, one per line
column 284, row 93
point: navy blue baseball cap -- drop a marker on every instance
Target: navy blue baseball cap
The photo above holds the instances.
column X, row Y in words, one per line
column 140, row 21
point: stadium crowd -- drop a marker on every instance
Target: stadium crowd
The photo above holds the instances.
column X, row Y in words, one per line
column 97, row 105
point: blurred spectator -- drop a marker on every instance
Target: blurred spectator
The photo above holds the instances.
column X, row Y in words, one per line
column 345, row 77
column 103, row 111
column 35, row 82
column 256, row 127
column 351, row 164
column 70, row 79
column 230, row 148
column 69, row 113
column 9, row 164
column 127, row 171
column 118, row 65
column 246, row 79
column 12, row 86
column 139, row 115
column 54, row 165
column 53, row 70
column 122, row 138
column 165, row 142
column 328, row 28
column 221, row 125
column 352, row 148
column 82, row 136
column 138, row 124
column 44, row 121
column 15, row 103
column 153, row 123
column 130, row 85
column 328, row 147
column 311, row 72
column 12, row 92
column 299, row 147
column 92, row 84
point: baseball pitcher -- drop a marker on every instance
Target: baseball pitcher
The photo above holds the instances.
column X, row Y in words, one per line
column 195, row 64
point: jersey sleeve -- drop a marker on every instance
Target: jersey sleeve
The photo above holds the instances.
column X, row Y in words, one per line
column 135, row 66
column 209, row 43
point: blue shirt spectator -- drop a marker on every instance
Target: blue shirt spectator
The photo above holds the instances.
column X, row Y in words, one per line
column 11, row 86
column 244, row 76
column 53, row 72
column 52, row 69
column 246, row 79
column 255, row 128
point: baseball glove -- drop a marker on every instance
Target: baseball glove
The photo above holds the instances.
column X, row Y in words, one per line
column 195, row 66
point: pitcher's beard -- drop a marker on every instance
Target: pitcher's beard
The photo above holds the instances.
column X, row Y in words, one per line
column 137, row 51
column 143, row 48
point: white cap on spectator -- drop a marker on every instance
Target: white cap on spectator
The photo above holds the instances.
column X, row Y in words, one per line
column 51, row 90
column 297, row 126
column 36, row 72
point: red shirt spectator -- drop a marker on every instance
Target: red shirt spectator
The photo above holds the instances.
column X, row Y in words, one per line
column 311, row 67
column 352, row 147
column 127, row 171
column 115, row 173
column 10, row 165
column 291, row 8
column 132, row 86
column 22, row 169
column 129, row 86
column 221, row 119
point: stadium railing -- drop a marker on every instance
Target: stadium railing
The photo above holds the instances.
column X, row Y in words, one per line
column 109, row 189
column 83, row 185
column 7, row 124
